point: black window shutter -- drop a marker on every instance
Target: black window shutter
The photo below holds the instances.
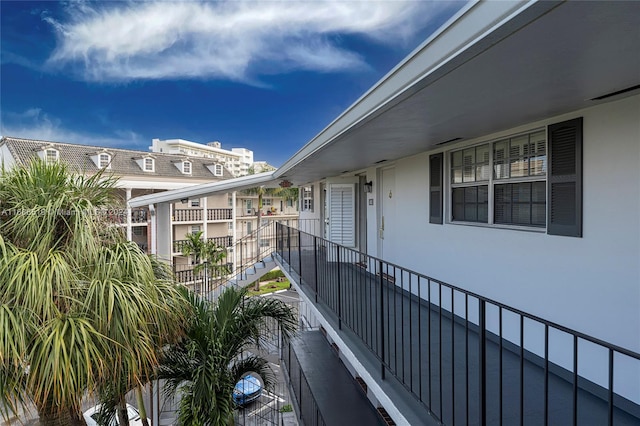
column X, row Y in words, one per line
column 435, row 188
column 564, row 209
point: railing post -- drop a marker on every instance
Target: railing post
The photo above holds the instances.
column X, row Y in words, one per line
column 300, row 255
column 482, row 362
column 339, row 288
column 315, row 262
column 289, row 245
column 382, row 342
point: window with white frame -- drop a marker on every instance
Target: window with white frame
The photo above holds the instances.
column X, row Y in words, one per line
column 195, row 229
column 267, row 202
column 230, row 226
column 51, row 155
column 148, row 165
column 230, row 201
column 217, row 170
column 186, row 167
column 104, row 161
column 195, row 203
column 502, row 182
column 307, row 198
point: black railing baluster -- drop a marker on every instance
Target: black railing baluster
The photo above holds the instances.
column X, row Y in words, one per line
column 466, row 354
column 453, row 359
column 419, row 341
column 575, row 380
column 440, row 380
column 382, row 343
column 500, row 365
column 546, row 374
column 521, row 370
column 339, row 287
column 482, row 367
column 429, row 341
column 315, row 265
column 610, row 414
column 410, row 336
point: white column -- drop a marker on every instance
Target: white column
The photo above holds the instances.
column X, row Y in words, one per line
column 205, row 221
column 128, row 197
column 233, row 227
column 153, row 228
column 164, row 240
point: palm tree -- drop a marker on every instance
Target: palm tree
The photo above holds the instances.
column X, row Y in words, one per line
column 207, row 364
column 80, row 306
column 207, row 255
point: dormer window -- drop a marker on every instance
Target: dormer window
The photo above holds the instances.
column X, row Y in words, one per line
column 148, row 164
column 104, row 161
column 186, row 167
column 218, row 170
column 51, row 155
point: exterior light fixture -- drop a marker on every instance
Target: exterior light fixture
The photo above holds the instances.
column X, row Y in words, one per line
column 368, row 187
column 184, row 200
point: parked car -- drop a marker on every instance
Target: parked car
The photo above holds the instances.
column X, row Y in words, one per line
column 91, row 417
column 247, row 390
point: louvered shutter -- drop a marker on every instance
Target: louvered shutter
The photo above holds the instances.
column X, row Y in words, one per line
column 342, row 219
column 564, row 210
column 435, row 188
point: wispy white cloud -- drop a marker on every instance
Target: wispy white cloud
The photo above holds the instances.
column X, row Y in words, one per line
column 233, row 40
column 34, row 123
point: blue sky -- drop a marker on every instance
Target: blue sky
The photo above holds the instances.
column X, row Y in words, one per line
column 265, row 75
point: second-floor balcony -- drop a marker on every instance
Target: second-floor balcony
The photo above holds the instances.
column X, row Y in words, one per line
column 225, row 241
column 458, row 357
column 195, row 215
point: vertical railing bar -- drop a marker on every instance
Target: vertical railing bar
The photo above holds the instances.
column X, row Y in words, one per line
column 610, row 416
column 339, row 287
column 410, row 335
column 521, row 370
column 575, row 380
column 420, row 337
column 429, row 339
column 315, row 266
column 482, row 334
column 440, row 347
column 300, row 255
column 395, row 322
column 500, row 395
column 402, row 298
column 388, row 322
column 453, row 358
column 546, row 374
column 382, row 357
column 466, row 352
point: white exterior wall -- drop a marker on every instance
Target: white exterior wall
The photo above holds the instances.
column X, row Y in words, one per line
column 6, row 159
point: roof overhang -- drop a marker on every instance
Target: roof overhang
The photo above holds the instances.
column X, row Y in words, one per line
column 493, row 66
column 219, row 187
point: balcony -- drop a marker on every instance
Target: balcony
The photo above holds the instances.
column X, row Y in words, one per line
column 456, row 356
column 226, row 241
column 195, row 215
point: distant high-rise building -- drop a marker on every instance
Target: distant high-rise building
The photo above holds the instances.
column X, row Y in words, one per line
column 238, row 160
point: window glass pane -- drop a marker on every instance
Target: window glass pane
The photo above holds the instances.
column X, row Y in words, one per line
column 521, row 213
column 458, row 195
column 471, row 195
column 482, row 154
column 471, row 212
column 456, row 159
column 456, row 175
column 483, row 194
column 521, row 193
column 519, row 168
column 483, row 213
column 539, row 214
column 501, row 170
column 458, row 211
column 539, row 192
column 469, row 175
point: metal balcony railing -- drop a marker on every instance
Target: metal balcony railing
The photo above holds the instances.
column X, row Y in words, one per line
column 466, row 358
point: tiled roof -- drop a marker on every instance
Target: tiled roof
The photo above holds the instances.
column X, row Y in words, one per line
column 123, row 161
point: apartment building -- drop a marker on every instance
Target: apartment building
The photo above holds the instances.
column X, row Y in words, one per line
column 220, row 217
column 238, row 160
column 478, row 261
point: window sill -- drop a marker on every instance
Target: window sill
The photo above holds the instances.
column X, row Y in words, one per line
column 534, row 229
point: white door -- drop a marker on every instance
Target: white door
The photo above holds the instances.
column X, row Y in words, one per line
column 341, row 210
column 387, row 215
